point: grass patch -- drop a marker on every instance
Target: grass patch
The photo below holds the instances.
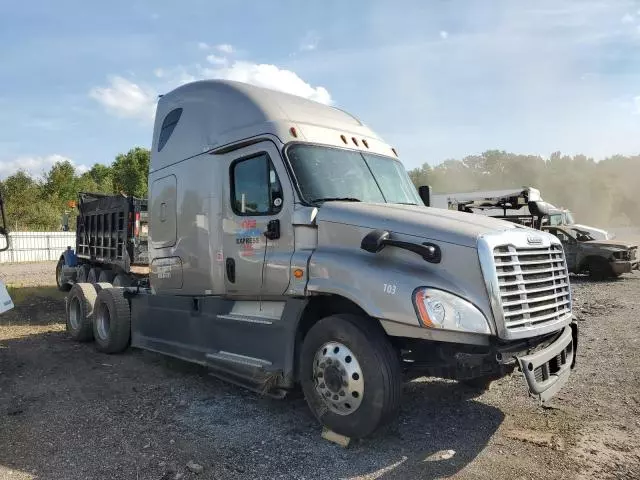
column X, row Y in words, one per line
column 20, row 294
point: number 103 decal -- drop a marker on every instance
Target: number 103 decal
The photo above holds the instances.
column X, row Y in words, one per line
column 389, row 288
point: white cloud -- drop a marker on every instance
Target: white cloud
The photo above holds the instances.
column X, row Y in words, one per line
column 270, row 76
column 636, row 101
column 203, row 46
column 216, row 60
column 124, row 98
column 225, row 48
column 444, row 34
column 158, row 72
column 628, row 18
column 309, row 42
column 35, row 166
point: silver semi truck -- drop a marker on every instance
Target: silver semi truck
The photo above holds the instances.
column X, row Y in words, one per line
column 288, row 247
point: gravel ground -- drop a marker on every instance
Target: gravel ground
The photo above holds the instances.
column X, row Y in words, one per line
column 67, row 411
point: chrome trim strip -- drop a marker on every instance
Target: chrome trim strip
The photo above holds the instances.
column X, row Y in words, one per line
column 240, row 359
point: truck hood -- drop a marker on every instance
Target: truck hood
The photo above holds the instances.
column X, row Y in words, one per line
column 450, row 226
column 598, row 233
column 610, row 243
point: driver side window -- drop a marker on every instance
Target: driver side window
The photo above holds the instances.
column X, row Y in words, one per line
column 255, row 187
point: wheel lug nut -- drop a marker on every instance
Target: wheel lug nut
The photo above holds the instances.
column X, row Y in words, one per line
column 342, row 394
column 322, row 385
column 335, row 397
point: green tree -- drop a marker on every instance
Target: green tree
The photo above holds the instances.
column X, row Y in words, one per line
column 130, row 171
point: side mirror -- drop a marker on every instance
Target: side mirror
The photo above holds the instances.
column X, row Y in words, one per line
column 425, row 194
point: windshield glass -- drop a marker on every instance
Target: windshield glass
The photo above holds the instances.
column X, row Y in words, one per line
column 581, row 235
column 555, row 219
column 568, row 218
column 325, row 173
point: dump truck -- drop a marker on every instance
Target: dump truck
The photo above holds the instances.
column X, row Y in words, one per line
column 289, row 249
column 111, row 242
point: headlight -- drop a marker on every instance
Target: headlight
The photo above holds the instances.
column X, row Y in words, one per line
column 443, row 310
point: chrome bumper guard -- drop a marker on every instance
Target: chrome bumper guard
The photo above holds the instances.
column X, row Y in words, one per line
column 547, row 370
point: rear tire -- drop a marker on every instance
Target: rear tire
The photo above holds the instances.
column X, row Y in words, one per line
column 83, row 273
column 80, row 308
column 599, row 269
column 122, row 280
column 350, row 375
column 106, row 276
column 112, row 321
column 63, row 286
column 101, row 286
column 94, row 275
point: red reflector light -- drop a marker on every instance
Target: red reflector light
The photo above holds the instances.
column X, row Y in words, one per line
column 293, row 132
column 344, row 139
column 136, row 229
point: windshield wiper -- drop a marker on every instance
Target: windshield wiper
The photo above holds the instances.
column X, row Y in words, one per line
column 405, row 203
column 336, row 199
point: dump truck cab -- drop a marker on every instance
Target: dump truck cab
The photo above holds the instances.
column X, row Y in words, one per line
column 288, row 247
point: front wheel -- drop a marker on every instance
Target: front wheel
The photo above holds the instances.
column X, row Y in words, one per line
column 350, row 375
column 599, row 269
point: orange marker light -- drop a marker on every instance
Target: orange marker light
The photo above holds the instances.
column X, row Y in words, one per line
column 298, row 273
column 293, row 132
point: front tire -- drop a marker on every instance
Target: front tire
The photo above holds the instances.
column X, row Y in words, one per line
column 350, row 375
column 599, row 269
column 94, row 275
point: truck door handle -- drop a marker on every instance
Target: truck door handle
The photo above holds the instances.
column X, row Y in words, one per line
column 273, row 230
column 231, row 270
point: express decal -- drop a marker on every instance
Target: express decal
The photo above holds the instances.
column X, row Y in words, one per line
column 248, row 237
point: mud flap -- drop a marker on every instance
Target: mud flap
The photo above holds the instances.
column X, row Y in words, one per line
column 547, row 370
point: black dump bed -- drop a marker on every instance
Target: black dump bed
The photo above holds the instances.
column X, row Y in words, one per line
column 112, row 230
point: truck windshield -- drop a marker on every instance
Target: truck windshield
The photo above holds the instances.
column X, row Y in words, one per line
column 325, row 173
column 568, row 218
column 555, row 219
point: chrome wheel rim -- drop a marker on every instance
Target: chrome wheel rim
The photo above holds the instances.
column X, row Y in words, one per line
column 60, row 276
column 103, row 323
column 338, row 378
column 75, row 313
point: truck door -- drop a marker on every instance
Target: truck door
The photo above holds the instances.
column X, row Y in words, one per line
column 259, row 201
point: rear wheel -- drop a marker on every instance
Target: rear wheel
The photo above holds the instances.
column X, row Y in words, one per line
column 83, row 273
column 102, row 285
column 599, row 269
column 121, row 280
column 106, row 276
column 80, row 308
column 94, row 275
column 63, row 285
column 112, row 322
column 350, row 375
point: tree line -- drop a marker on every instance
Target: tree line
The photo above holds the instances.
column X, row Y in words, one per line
column 39, row 203
column 603, row 193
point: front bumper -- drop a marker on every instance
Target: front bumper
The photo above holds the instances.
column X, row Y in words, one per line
column 547, row 370
column 624, row 266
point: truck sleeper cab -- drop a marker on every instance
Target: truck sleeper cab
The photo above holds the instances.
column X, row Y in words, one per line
column 288, row 247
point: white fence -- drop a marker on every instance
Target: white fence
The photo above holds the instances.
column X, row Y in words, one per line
column 36, row 246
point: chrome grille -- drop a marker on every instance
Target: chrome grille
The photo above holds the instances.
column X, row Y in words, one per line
column 533, row 284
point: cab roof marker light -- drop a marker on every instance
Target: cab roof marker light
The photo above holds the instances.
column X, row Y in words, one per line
column 365, row 143
column 293, row 132
column 394, row 151
column 355, row 142
column 344, row 139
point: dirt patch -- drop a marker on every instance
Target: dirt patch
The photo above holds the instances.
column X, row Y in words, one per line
column 68, row 411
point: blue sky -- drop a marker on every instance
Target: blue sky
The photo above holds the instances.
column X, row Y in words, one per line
column 438, row 79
